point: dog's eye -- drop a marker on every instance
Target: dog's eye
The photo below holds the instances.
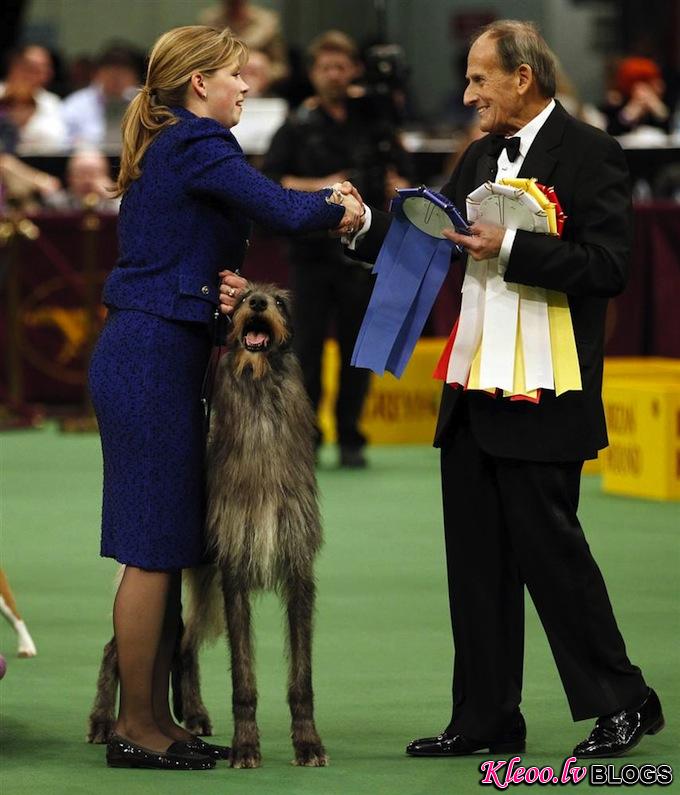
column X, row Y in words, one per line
column 280, row 302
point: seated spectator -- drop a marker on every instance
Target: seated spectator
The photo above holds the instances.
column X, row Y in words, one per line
column 81, row 71
column 259, row 28
column 24, row 187
column 568, row 96
column 16, row 108
column 88, row 184
column 637, row 100
column 257, row 72
column 94, row 114
column 34, row 112
column 264, row 113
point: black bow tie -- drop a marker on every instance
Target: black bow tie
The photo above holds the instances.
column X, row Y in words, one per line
column 511, row 145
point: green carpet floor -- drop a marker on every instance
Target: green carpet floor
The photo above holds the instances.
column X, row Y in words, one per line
column 382, row 647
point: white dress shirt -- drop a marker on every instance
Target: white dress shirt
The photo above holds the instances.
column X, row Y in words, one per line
column 508, row 168
column 84, row 117
column 93, row 120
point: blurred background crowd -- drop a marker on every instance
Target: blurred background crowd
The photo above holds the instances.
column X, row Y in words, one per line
column 369, row 90
column 62, row 98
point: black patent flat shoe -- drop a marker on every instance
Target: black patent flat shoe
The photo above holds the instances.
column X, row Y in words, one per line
column 448, row 743
column 616, row 734
column 200, row 746
column 122, row 753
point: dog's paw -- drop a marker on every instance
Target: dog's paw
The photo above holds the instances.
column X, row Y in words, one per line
column 99, row 731
column 310, row 755
column 200, row 724
column 245, row 756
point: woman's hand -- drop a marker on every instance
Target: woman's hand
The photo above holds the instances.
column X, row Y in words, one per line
column 231, row 287
column 346, row 188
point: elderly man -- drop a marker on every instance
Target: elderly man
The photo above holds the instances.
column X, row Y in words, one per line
column 511, row 469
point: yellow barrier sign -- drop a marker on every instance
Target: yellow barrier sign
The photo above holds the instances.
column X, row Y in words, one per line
column 643, row 422
column 397, row 411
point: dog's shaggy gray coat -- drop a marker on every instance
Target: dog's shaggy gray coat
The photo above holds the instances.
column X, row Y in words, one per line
column 263, row 530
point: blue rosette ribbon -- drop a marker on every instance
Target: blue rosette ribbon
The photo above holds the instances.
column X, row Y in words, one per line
column 410, row 269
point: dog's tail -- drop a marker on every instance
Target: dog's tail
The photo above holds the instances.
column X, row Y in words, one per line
column 204, row 614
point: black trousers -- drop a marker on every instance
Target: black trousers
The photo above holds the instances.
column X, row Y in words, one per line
column 333, row 289
column 510, row 523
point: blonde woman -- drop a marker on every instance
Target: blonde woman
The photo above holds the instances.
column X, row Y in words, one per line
column 188, row 197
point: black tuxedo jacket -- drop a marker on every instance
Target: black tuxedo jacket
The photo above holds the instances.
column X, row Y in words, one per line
column 589, row 263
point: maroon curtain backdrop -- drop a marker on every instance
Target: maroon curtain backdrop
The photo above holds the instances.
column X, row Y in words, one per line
column 657, row 233
column 54, row 276
column 55, row 270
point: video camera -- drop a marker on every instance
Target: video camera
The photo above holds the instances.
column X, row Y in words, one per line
column 381, row 105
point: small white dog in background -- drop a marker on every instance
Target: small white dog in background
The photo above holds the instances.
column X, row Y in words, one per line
column 8, row 607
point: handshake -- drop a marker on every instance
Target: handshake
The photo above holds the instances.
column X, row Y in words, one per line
column 348, row 196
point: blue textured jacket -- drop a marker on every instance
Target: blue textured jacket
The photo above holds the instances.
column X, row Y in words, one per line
column 188, row 216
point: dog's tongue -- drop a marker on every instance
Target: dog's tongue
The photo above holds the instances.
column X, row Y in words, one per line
column 256, row 338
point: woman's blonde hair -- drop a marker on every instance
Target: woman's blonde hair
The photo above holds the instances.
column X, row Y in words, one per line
column 177, row 55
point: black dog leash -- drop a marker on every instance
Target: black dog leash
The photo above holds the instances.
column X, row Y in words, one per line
column 219, row 333
column 220, row 330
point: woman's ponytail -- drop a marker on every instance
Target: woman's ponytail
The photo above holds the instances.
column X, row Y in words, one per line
column 142, row 122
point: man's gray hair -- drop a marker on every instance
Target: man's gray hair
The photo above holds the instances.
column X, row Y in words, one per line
column 520, row 42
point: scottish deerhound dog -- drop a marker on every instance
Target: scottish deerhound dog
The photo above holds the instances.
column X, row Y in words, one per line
column 263, row 528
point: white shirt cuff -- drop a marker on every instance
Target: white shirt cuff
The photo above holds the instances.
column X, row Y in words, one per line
column 351, row 240
column 506, row 248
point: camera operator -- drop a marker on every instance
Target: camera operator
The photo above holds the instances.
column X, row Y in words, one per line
column 343, row 132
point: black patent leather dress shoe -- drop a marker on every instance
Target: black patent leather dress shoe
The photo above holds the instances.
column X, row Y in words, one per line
column 615, row 734
column 199, row 746
column 511, row 741
column 122, row 753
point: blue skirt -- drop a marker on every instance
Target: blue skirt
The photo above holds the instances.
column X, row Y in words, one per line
column 145, row 380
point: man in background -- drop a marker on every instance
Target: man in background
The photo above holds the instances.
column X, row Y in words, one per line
column 331, row 138
column 93, row 115
column 88, row 184
column 259, row 28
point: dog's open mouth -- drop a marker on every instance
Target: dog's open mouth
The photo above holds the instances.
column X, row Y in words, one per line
column 256, row 336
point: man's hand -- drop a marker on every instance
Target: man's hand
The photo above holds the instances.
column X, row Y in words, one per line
column 483, row 242
column 347, row 189
column 231, row 287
